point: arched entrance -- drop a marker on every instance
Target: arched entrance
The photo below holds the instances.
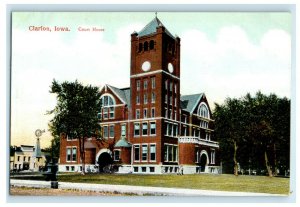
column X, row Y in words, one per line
column 104, row 162
column 204, row 161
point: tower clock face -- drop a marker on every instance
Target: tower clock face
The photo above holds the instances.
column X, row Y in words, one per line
column 146, row 66
column 170, row 68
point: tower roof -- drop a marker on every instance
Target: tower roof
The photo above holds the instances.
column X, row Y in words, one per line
column 150, row 28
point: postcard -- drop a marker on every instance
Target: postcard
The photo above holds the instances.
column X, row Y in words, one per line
column 150, row 103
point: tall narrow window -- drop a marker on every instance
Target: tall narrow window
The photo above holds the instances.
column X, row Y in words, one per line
column 166, row 98
column 170, row 153
column 151, row 45
column 166, row 113
column 171, row 86
column 74, row 154
column 175, row 88
column 175, row 153
column 146, row 46
column 145, row 129
column 152, row 112
column 69, row 152
column 111, row 112
column 117, row 155
column 167, row 129
column 212, row 156
column 111, row 131
column 145, row 98
column 145, row 84
column 152, row 152
column 138, row 99
column 140, row 47
column 152, row 128
column 175, row 115
column 105, row 113
column 175, row 101
column 138, row 85
column 153, row 97
column 123, row 130
column 137, row 114
column 175, row 130
column 136, row 129
column 166, row 84
column 145, row 113
column 166, row 153
column 105, row 131
column 136, row 152
column 144, row 152
column 170, row 132
column 153, row 82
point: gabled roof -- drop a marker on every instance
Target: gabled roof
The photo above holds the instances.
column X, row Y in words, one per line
column 123, row 94
column 189, row 102
column 150, row 28
column 122, row 143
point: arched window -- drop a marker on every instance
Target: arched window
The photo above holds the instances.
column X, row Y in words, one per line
column 151, row 45
column 145, row 46
column 203, row 110
column 140, row 47
column 107, row 107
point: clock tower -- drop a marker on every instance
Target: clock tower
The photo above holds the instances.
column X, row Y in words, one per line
column 155, row 82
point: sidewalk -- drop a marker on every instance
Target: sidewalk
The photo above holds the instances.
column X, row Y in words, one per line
column 138, row 190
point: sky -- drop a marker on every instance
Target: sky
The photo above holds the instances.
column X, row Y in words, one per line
column 223, row 54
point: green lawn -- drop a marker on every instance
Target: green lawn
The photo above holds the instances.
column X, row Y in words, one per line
column 243, row 183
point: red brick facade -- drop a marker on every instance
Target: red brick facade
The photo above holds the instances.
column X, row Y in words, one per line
column 150, row 127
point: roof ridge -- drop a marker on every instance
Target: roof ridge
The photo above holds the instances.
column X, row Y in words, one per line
column 150, row 28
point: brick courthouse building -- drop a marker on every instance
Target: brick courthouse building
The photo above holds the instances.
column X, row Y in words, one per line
column 149, row 127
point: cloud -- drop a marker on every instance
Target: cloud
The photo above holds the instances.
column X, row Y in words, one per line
column 232, row 65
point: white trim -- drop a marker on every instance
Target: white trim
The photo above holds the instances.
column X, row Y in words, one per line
column 119, row 154
column 106, row 125
column 144, row 135
column 150, row 128
column 150, row 152
column 139, row 146
column 208, row 113
column 212, row 156
column 68, row 147
column 152, row 73
column 207, row 157
column 102, row 151
column 151, row 119
column 147, row 146
column 137, row 110
column 197, row 140
column 124, row 124
column 111, row 125
column 152, row 108
column 145, row 110
column 108, row 94
column 134, row 135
